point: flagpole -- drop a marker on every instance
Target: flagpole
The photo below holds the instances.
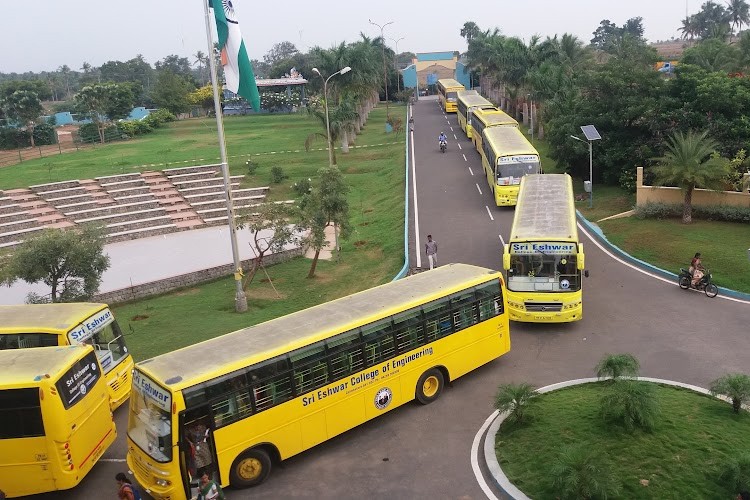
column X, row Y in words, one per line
column 240, row 299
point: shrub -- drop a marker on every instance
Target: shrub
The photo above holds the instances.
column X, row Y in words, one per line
column 735, row 472
column 725, row 213
column 302, row 187
column 659, row 211
column 632, row 404
column 395, row 122
column 44, row 134
column 580, row 472
column 628, row 180
column 277, row 174
column 133, row 128
column 735, row 386
column 251, row 167
column 88, row 133
column 617, row 365
column 516, row 399
column 159, row 117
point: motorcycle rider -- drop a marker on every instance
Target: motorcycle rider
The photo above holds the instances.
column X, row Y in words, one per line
column 696, row 269
column 442, row 138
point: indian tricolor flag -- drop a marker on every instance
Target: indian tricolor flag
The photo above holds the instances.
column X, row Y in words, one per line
column 238, row 71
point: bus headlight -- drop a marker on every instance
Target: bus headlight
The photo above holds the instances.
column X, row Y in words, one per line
column 163, row 482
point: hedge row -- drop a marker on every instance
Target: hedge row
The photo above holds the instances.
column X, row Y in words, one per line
column 726, row 213
column 13, row 138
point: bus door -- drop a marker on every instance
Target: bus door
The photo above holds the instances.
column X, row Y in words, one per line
column 25, row 466
column 197, row 450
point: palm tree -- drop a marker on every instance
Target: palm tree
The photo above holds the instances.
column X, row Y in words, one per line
column 516, row 399
column 735, row 473
column 689, row 28
column 739, row 13
column 200, row 60
column 615, row 366
column 583, row 473
column 632, row 404
column 735, row 386
column 690, row 162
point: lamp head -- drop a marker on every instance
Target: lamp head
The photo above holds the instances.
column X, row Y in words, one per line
column 345, row 70
column 316, row 70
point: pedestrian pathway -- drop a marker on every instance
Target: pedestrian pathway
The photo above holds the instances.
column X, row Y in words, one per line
column 145, row 260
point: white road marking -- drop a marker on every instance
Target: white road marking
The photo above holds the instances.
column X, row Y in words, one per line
column 467, row 160
column 417, row 244
column 116, row 460
column 643, row 271
column 459, row 145
column 501, row 239
column 475, row 462
column 451, row 127
column 489, row 213
column 455, row 137
column 478, row 188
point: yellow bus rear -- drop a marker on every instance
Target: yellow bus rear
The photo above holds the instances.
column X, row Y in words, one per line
column 448, row 89
column 507, row 156
column 40, row 325
column 54, row 408
column 543, row 258
column 488, row 118
column 465, row 107
column 233, row 405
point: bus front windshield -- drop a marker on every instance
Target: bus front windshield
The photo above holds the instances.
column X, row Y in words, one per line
column 543, row 273
column 509, row 172
column 149, row 422
column 107, row 340
column 451, row 96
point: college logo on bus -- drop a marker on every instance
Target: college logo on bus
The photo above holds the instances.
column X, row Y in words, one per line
column 383, row 398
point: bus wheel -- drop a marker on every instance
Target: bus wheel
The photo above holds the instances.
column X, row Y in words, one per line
column 250, row 469
column 429, row 386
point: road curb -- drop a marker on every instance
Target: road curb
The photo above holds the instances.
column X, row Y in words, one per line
column 597, row 233
column 490, row 458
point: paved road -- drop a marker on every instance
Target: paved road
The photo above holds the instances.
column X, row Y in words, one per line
column 424, row 452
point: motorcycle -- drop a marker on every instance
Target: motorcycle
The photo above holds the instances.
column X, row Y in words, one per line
column 685, row 280
column 443, row 146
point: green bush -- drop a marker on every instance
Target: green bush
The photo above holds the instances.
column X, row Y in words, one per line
column 302, row 187
column 251, row 167
column 725, row 213
column 628, row 180
column 579, row 472
column 133, row 128
column 44, row 133
column 159, row 118
column 277, row 174
column 735, row 472
column 12, row 138
column 632, row 404
column 516, row 399
column 88, row 133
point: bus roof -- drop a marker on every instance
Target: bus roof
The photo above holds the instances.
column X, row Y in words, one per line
column 490, row 117
column 24, row 367
column 545, row 209
column 471, row 100
column 450, row 83
column 205, row 360
column 45, row 318
column 508, row 141
column 467, row 93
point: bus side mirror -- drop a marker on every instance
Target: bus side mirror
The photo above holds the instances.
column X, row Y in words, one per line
column 580, row 258
column 506, row 257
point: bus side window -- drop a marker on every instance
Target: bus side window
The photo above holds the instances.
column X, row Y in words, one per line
column 490, row 301
column 20, row 414
column 345, row 354
column 230, row 398
column 437, row 319
column 464, row 310
column 378, row 338
column 408, row 330
column 272, row 383
column 310, row 368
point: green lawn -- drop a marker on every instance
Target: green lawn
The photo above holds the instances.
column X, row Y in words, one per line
column 373, row 255
column 694, row 434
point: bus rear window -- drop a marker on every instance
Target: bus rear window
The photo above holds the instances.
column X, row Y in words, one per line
column 20, row 414
column 24, row 340
column 78, row 380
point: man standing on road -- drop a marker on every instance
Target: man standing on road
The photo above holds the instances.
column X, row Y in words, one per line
column 430, row 248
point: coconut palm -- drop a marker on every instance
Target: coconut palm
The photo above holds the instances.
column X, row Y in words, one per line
column 583, row 473
column 515, row 399
column 689, row 28
column 739, row 13
column 735, row 386
column 615, row 366
column 735, row 472
column 201, row 59
column 690, row 162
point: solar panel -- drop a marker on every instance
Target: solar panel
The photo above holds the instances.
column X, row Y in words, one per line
column 590, row 132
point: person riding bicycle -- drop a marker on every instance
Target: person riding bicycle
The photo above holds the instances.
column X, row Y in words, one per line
column 696, row 269
column 442, row 138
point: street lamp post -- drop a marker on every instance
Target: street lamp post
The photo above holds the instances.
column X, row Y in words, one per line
column 325, row 102
column 395, row 63
column 591, row 135
column 385, row 69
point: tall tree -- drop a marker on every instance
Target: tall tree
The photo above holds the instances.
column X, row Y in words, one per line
column 279, row 52
column 71, row 262
column 690, row 162
column 201, row 59
column 739, row 13
column 23, row 107
column 171, row 92
column 177, row 65
column 469, row 31
column 104, row 102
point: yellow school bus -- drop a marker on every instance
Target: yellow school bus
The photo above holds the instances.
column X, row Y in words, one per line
column 40, row 325
column 56, row 421
column 466, row 105
column 543, row 257
column 448, row 93
column 507, row 156
column 233, row 405
column 488, row 118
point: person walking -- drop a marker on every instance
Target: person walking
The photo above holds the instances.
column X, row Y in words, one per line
column 430, row 248
column 125, row 489
column 209, row 489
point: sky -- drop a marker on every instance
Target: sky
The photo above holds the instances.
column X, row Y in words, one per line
column 42, row 35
